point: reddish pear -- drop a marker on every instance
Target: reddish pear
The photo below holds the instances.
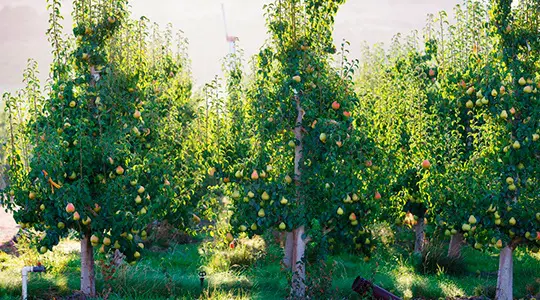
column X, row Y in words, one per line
column 119, row 170
column 377, row 196
column 70, row 208
column 335, row 105
column 347, row 114
column 426, row 164
column 254, row 175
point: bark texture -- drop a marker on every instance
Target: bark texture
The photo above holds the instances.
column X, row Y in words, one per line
column 505, row 275
column 298, row 289
column 420, row 236
column 288, row 250
column 454, row 249
column 298, row 268
column 88, row 279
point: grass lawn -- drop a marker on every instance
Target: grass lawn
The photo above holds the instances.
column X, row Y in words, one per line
column 173, row 273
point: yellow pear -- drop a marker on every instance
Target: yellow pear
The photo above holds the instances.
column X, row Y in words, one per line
column 322, row 137
column 288, row 179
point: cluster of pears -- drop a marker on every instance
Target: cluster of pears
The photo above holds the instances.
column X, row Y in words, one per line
column 527, row 85
column 480, row 99
column 265, row 196
column 106, row 242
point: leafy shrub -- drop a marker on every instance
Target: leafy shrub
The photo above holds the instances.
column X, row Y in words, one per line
column 243, row 254
column 319, row 278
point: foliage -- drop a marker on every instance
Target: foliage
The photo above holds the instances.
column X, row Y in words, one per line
column 457, row 103
column 294, row 89
column 102, row 154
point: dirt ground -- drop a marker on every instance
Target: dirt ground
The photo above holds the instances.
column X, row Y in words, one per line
column 8, row 227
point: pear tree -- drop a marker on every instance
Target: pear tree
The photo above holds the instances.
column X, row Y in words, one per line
column 307, row 173
column 98, row 163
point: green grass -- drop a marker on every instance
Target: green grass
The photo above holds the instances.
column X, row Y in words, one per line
column 174, row 274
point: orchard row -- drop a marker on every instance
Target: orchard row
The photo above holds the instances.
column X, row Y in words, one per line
column 311, row 144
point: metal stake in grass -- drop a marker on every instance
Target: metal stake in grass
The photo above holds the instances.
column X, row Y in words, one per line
column 202, row 275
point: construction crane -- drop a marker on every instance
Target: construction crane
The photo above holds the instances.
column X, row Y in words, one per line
column 229, row 38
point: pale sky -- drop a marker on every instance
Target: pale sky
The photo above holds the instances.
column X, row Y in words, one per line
column 23, row 24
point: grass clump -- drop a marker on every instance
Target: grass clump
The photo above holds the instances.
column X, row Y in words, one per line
column 434, row 259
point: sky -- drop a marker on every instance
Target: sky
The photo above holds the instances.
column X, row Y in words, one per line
column 23, row 24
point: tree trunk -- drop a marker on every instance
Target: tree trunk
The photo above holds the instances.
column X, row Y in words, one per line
column 288, row 250
column 505, row 275
column 88, row 280
column 298, row 244
column 298, row 290
column 454, row 249
column 420, row 236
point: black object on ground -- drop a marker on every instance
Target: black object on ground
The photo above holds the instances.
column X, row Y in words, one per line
column 363, row 286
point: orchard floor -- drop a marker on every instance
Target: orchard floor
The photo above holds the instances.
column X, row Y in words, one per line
column 173, row 274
